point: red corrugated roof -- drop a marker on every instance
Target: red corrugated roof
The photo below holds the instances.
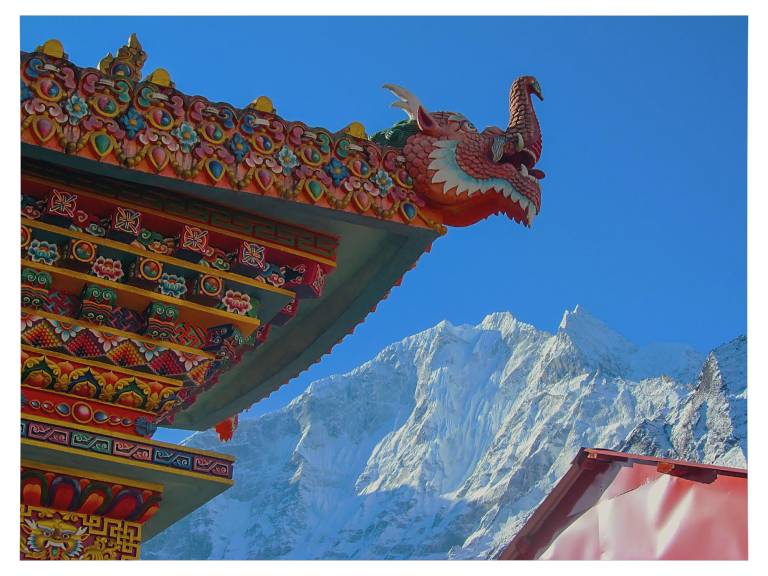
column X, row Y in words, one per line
column 614, row 505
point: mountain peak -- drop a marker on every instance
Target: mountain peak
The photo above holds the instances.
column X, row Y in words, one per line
column 602, row 346
column 577, row 316
column 498, row 320
column 508, row 326
column 581, row 326
column 496, row 316
column 599, row 343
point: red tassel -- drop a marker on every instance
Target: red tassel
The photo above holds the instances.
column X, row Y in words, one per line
column 226, row 428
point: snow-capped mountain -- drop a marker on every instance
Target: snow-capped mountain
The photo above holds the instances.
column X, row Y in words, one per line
column 444, row 443
column 711, row 425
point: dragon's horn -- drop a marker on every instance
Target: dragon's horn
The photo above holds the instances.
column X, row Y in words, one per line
column 401, row 105
column 408, row 102
column 414, row 108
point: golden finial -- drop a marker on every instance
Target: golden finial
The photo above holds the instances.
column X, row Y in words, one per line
column 357, row 130
column 160, row 77
column 128, row 62
column 262, row 104
column 52, row 48
column 105, row 62
column 133, row 41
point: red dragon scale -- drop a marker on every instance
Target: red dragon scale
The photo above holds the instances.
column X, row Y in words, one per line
column 469, row 175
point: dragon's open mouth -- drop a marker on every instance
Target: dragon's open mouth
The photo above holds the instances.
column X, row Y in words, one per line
column 511, row 179
column 533, row 174
column 523, row 161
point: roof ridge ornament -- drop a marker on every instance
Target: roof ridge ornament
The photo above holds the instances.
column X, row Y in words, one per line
column 52, row 48
column 160, row 77
column 128, row 62
column 355, row 129
column 263, row 104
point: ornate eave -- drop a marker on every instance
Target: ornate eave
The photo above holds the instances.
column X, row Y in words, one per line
column 141, row 144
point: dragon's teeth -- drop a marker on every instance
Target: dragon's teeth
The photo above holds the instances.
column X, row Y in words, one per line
column 531, row 212
column 523, row 169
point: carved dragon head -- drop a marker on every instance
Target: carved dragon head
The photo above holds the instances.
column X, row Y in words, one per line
column 54, row 538
column 470, row 175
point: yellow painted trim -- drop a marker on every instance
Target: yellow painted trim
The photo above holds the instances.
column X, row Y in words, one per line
column 117, row 332
column 123, row 247
column 246, row 324
column 225, row 231
column 87, row 401
column 131, row 437
column 111, row 367
column 108, row 458
column 93, row 476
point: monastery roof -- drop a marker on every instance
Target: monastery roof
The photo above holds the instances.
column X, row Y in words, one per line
column 106, row 134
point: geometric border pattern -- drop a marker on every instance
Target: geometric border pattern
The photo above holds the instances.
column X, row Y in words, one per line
column 129, row 450
column 70, row 337
column 99, row 538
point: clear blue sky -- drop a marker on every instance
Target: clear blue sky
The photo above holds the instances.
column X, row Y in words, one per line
column 644, row 120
